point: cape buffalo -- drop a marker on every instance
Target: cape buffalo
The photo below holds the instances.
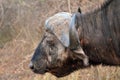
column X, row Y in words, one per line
column 75, row 41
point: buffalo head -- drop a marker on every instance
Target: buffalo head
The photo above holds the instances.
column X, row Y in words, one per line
column 59, row 51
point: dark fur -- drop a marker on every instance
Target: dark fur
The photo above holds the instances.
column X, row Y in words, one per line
column 99, row 33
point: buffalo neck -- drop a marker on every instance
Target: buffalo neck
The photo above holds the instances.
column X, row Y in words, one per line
column 101, row 33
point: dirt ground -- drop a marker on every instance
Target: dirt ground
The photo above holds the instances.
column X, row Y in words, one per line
column 21, row 29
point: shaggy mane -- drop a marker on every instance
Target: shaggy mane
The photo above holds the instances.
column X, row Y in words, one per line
column 101, row 6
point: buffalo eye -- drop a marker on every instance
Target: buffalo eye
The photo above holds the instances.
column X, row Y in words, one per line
column 50, row 43
column 53, row 50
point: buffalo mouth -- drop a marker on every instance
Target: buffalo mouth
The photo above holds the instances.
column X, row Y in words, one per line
column 57, row 71
column 43, row 71
column 67, row 68
column 39, row 71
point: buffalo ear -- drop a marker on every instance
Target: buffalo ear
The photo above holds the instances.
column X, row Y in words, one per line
column 80, row 54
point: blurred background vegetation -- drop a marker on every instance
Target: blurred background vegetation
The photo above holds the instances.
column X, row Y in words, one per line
column 21, row 29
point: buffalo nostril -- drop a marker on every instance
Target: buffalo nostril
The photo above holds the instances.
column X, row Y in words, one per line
column 31, row 66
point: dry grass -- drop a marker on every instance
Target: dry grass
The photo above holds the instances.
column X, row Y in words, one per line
column 21, row 28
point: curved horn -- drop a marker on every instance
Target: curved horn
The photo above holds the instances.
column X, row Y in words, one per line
column 58, row 24
column 73, row 34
